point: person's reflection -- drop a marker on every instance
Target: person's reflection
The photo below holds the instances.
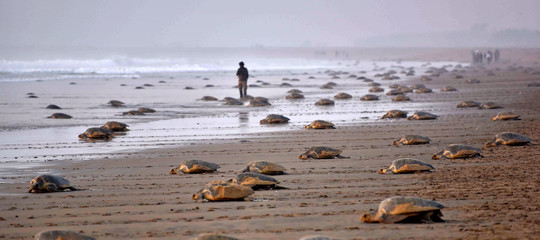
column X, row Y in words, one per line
column 243, row 119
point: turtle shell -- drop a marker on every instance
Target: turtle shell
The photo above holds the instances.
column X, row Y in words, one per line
column 133, row 113
column 448, row 89
column 116, row 126
column 405, row 89
column 233, row 101
column 146, row 110
column 510, row 139
column 195, row 166
column 409, row 165
column 274, row 118
column 223, row 191
column 406, row 209
column 317, row 237
column 60, row 116
column 258, row 103
column 61, row 234
column 49, row 183
column 423, row 90
column 343, row 96
column 400, row 97
column 412, row 140
column 465, row 104
column 295, row 95
column 321, row 152
column 374, row 84
column 209, row 98
column 369, row 97
column 324, row 102
column 52, row 106
column 264, row 167
column 97, row 133
column 376, row 89
column 490, row 105
column 395, row 114
column 320, row 124
column 294, row 90
column 457, row 151
column 116, row 103
column 255, row 180
column 394, row 92
column 422, row 116
column 210, row 236
column 505, row 116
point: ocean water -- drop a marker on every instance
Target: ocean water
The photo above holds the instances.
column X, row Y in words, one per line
column 82, row 87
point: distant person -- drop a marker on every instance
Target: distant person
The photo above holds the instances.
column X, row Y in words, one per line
column 243, row 76
column 489, row 56
column 496, row 55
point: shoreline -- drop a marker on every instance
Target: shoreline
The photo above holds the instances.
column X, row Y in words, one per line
column 491, row 197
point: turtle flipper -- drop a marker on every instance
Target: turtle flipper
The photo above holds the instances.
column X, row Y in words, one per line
column 51, row 188
column 341, row 156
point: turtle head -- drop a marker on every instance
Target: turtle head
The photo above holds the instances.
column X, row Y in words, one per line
column 382, row 171
column 437, row 155
column 395, row 143
column 173, row 171
column 36, row 185
column 367, row 218
column 198, row 195
column 493, row 143
column 303, row 156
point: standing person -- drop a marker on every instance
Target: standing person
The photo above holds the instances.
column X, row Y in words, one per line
column 489, row 56
column 496, row 55
column 243, row 76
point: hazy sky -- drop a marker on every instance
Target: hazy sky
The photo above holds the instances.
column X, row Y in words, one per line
column 246, row 23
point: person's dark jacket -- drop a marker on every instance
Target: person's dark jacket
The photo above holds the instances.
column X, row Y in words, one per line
column 243, row 73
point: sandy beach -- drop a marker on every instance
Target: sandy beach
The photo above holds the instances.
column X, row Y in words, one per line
column 129, row 193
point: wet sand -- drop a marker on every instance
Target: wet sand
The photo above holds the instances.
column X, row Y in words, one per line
column 133, row 196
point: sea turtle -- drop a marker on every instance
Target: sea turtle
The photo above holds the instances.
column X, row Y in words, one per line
column 232, row 101
column 324, row 102
column 60, row 116
column 342, row 95
column 395, row 114
column 294, row 90
column 97, row 133
column 285, row 84
column 374, row 84
column 412, row 140
column 448, row 89
column 116, row 126
column 472, row 81
column 376, row 89
column 400, row 97
column 510, row 139
column 394, row 92
column 490, row 105
column 418, row 86
column 394, row 86
column 116, row 103
column 258, row 103
column 423, row 90
column 318, row 237
column 405, row 209
column 146, row 110
column 223, row 191
column 425, row 78
column 457, row 151
column 52, row 106
column 465, row 104
column 195, row 166
column 133, row 113
column 407, row 165
column 264, row 167
column 320, row 124
column 50, row 183
column 326, row 86
column 422, row 116
column 256, row 181
column 405, row 89
column 61, row 235
column 321, row 152
column 294, row 96
column 211, row 236
column 506, row 116
column 369, row 97
column 274, row 118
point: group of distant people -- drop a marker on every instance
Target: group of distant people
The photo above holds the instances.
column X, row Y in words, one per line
column 479, row 58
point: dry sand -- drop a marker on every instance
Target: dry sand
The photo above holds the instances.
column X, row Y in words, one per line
column 494, row 197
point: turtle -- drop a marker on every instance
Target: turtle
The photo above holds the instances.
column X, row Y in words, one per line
column 423, row 90
column 376, row 89
column 232, row 101
column 97, row 133
column 61, row 234
column 264, row 167
column 52, row 106
column 395, row 114
column 326, row 86
column 210, row 86
column 211, row 236
column 295, row 96
column 195, row 166
column 457, row 151
column 418, row 86
column 148, row 85
column 317, row 237
column 146, row 110
column 324, row 102
column 425, row 78
column 256, row 181
column 490, row 105
column 322, row 152
column 274, row 118
column 400, row 97
column 342, row 95
column 369, row 97
column 116, row 126
column 60, row 116
column 448, row 89
column 394, row 86
column 402, row 209
column 405, row 89
column 223, row 191
column 472, row 81
column 332, row 84
column 188, row 88
column 285, row 85
column 422, row 116
column 294, row 90
column 116, row 103
column 465, row 104
column 50, row 183
column 258, row 103
column 510, row 139
column 456, row 76
column 407, row 165
column 506, row 116
column 133, row 113
column 412, row 140
column 374, row 84
column 394, row 92
column 320, row 124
